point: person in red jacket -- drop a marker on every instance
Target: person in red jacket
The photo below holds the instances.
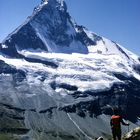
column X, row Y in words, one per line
column 115, row 123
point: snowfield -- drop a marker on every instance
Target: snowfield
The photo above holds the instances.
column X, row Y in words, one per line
column 90, row 72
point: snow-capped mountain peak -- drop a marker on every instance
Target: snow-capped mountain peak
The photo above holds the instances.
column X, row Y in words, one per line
column 58, row 78
column 56, row 3
column 49, row 29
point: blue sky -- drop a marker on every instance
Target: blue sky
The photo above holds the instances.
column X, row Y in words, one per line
column 118, row 20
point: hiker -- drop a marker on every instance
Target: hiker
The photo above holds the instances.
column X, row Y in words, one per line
column 115, row 123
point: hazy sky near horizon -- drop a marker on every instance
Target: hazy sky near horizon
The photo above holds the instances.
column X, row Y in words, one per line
column 117, row 20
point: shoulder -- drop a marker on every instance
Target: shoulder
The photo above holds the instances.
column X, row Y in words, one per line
column 115, row 116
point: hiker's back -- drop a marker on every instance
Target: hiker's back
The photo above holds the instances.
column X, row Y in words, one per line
column 115, row 121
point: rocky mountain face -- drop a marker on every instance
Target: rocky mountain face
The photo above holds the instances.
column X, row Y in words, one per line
column 60, row 81
column 133, row 134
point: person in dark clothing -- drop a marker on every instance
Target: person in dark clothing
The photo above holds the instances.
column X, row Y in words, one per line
column 115, row 123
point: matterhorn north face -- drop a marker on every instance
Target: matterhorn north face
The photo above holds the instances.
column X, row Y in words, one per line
column 59, row 81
